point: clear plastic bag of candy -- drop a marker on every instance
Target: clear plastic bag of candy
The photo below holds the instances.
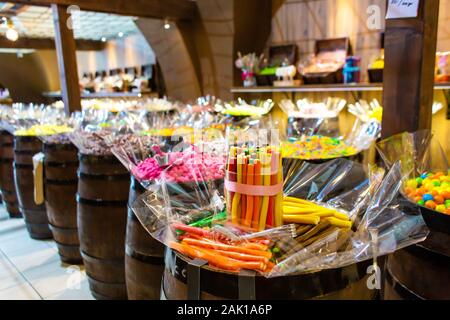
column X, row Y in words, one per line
column 35, row 120
column 333, row 215
column 314, row 133
column 425, row 169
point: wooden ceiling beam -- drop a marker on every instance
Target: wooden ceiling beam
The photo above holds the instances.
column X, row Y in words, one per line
column 48, row 43
column 159, row 9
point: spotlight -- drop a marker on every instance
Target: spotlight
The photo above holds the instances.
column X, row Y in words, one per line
column 120, row 34
column 166, row 24
column 12, row 34
column 103, row 39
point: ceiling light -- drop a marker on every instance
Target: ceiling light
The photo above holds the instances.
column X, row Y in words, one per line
column 103, row 39
column 166, row 24
column 12, row 34
column 120, row 34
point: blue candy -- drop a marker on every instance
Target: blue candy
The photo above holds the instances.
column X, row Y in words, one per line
column 423, row 176
column 427, row 197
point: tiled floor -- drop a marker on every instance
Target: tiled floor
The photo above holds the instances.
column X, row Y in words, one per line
column 31, row 269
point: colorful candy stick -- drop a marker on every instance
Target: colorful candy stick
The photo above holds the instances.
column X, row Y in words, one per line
column 237, row 197
column 265, row 160
column 257, row 199
column 279, row 197
column 249, row 209
column 244, row 196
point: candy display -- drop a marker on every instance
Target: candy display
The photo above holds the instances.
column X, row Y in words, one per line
column 183, row 167
column 329, row 216
column 426, row 173
column 254, row 187
column 243, row 109
column 43, row 130
column 62, row 138
column 305, row 108
column 316, row 148
column 431, row 190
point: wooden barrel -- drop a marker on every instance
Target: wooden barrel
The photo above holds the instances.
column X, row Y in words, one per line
column 61, row 164
column 7, row 187
column 35, row 215
column 103, row 186
column 421, row 271
column 345, row 283
column 144, row 256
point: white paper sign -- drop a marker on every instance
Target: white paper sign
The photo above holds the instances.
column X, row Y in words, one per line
column 402, row 9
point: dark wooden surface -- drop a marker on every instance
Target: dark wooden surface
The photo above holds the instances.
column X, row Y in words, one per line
column 48, row 43
column 174, row 9
column 67, row 60
column 410, row 48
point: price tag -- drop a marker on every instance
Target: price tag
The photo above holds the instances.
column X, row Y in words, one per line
column 402, row 9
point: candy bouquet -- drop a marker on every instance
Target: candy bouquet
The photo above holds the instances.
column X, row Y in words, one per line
column 329, row 215
column 249, row 64
column 426, row 174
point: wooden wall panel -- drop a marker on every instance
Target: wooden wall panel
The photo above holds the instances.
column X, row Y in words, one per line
column 232, row 26
column 172, row 52
column 218, row 21
column 303, row 22
column 27, row 77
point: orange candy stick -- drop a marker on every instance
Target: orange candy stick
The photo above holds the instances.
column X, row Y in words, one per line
column 256, row 199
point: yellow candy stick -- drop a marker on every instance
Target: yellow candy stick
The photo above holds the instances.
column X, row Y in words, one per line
column 297, row 200
column 237, row 196
column 303, row 219
column 339, row 223
column 297, row 210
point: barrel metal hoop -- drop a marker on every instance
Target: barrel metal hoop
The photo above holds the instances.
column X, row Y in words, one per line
column 26, row 151
column 62, row 229
column 90, row 158
column 6, row 160
column 82, row 175
column 401, row 289
column 59, row 146
column 101, row 203
column 419, row 250
column 22, row 166
column 7, row 144
column 144, row 258
column 61, row 182
column 60, row 164
column 319, row 280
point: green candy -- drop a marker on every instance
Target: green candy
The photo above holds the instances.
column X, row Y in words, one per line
column 419, row 181
column 421, row 202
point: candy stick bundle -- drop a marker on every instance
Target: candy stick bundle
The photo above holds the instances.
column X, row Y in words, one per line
column 253, row 186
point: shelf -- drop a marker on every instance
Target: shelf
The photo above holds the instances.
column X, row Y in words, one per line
column 102, row 95
column 324, row 88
